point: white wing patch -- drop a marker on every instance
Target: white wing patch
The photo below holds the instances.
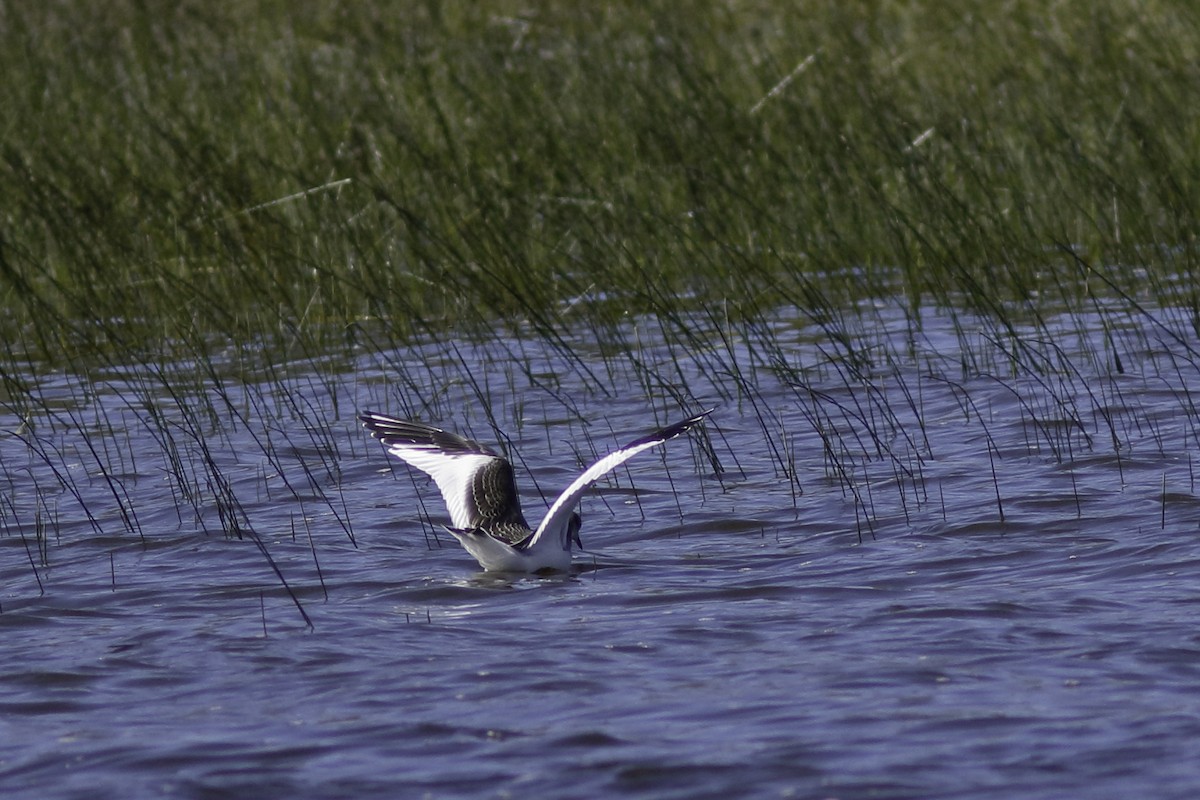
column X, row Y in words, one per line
column 451, row 473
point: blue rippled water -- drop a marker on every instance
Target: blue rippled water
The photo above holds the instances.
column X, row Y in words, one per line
column 980, row 597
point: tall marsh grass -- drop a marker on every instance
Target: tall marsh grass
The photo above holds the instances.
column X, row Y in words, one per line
column 285, row 172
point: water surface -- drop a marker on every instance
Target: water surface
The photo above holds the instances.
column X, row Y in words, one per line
column 958, row 566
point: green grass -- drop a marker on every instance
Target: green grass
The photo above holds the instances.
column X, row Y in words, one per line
column 291, row 173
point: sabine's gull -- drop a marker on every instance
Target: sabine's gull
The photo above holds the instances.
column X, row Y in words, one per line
column 480, row 492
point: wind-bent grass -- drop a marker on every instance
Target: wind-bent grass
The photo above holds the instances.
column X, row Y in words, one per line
column 284, row 173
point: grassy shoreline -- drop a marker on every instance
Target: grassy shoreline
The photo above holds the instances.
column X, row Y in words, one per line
column 279, row 173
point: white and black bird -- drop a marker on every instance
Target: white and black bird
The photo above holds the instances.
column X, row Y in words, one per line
column 481, row 494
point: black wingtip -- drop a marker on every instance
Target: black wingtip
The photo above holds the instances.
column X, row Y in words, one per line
column 377, row 423
column 676, row 429
column 687, row 424
column 386, row 428
column 367, row 418
column 393, row 430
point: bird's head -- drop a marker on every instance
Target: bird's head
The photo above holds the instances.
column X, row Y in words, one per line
column 573, row 526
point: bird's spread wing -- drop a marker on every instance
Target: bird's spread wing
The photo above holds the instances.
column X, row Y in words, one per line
column 557, row 516
column 476, row 483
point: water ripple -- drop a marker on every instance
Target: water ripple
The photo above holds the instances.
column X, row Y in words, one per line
column 982, row 598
